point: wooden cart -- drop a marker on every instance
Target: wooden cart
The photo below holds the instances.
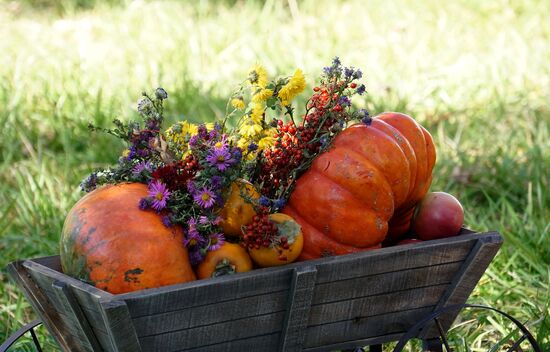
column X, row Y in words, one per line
column 341, row 302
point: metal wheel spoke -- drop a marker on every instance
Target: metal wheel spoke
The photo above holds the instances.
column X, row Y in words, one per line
column 516, row 345
column 17, row 335
column 442, row 334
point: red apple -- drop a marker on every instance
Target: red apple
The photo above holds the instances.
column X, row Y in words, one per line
column 438, row 215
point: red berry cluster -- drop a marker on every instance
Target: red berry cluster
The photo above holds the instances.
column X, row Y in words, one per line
column 296, row 145
column 259, row 233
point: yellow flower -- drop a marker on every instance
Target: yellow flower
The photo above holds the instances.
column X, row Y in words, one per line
column 295, row 86
column 238, row 103
column 125, row 153
column 262, row 95
column 266, row 142
column 257, row 114
column 243, row 143
column 250, row 129
column 258, row 76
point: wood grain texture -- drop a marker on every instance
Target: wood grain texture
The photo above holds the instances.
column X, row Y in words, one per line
column 352, row 344
column 77, row 317
column 362, row 328
column 376, row 305
column 299, row 303
column 264, row 343
column 215, row 333
column 394, row 259
column 119, row 326
column 195, row 316
column 466, row 278
column 41, row 305
column 383, row 283
column 203, row 292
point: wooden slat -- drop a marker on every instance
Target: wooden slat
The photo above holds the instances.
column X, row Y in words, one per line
column 41, row 305
column 214, row 334
column 264, row 343
column 78, row 318
column 395, row 258
column 119, row 326
column 467, row 277
column 298, row 307
column 211, row 314
column 385, row 283
column 202, row 292
column 52, row 262
column 379, row 325
column 376, row 305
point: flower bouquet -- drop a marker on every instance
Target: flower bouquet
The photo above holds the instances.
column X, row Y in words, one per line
column 264, row 186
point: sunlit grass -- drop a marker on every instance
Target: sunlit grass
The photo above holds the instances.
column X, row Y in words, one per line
column 476, row 74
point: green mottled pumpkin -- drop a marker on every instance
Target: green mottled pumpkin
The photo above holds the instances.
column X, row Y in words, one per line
column 110, row 243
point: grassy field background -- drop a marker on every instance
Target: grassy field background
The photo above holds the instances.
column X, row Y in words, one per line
column 475, row 74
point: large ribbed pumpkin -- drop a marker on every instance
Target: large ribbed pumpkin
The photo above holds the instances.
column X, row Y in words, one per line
column 109, row 242
column 364, row 187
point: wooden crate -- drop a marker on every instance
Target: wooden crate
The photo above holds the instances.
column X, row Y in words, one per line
column 320, row 305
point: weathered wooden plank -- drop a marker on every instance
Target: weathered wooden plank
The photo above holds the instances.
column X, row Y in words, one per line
column 385, row 283
column 363, row 328
column 214, row 334
column 264, row 343
column 211, row 313
column 467, row 277
column 376, row 305
column 53, row 262
column 41, row 305
column 298, row 307
column 76, row 315
column 119, row 326
column 394, row 258
column 203, row 292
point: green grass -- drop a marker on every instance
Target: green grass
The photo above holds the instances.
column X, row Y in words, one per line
column 476, row 74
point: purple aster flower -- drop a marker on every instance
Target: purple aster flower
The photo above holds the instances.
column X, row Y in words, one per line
column 203, row 131
column 166, row 221
column 193, row 239
column 323, row 140
column 144, row 204
column 205, row 198
column 252, row 147
column 193, row 140
column 195, row 257
column 142, row 166
column 213, row 134
column 361, row 89
column 348, row 72
column 279, row 203
column 264, row 201
column 327, row 70
column 216, row 181
column 357, row 74
column 364, row 116
column 220, row 158
column 204, row 220
column 159, row 195
column 216, row 241
column 336, row 61
column 344, row 101
column 237, row 154
column 191, row 187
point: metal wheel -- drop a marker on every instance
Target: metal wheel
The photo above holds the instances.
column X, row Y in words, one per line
column 19, row 333
column 516, row 340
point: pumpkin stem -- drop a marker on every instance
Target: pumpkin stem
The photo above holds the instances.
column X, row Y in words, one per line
column 224, row 267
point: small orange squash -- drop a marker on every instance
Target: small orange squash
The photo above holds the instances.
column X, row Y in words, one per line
column 110, row 243
column 229, row 258
column 238, row 210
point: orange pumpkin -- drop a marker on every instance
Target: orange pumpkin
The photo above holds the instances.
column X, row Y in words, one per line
column 367, row 183
column 274, row 256
column 229, row 258
column 112, row 244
